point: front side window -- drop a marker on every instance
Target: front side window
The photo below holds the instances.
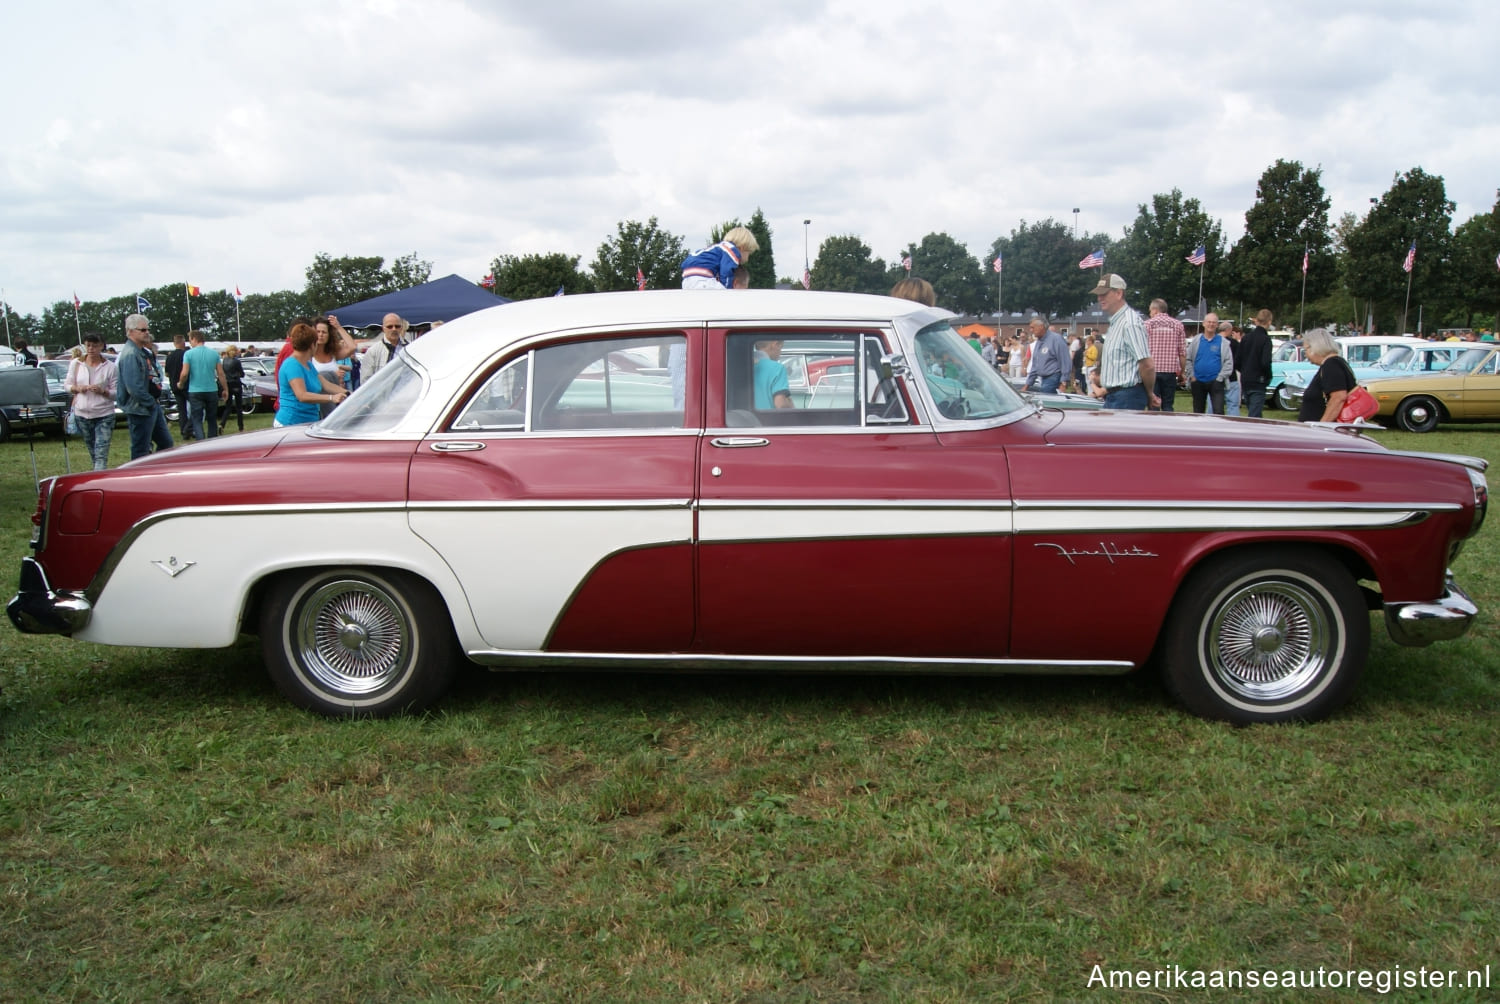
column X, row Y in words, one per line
column 961, row 384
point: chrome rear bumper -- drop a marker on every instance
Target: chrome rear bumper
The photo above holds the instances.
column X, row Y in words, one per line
column 1418, row 624
column 36, row 609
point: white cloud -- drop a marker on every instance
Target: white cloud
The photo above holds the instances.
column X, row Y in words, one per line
column 229, row 143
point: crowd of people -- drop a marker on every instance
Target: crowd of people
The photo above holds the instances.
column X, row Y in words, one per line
column 317, row 366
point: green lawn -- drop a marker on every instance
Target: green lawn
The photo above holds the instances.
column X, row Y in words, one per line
column 171, row 829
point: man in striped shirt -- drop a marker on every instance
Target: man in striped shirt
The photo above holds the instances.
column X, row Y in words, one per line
column 1166, row 337
column 1125, row 369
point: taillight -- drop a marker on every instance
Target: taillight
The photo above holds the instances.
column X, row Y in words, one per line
column 39, row 517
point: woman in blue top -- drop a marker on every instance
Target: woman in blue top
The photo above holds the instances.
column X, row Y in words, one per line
column 299, row 389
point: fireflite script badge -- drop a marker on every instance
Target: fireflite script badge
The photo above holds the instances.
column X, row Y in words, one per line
column 1106, row 550
column 173, row 568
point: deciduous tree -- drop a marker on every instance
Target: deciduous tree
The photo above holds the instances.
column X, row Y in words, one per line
column 1290, row 214
column 952, row 270
column 338, row 282
column 645, row 246
column 1041, row 268
column 1414, row 209
column 844, row 264
column 1152, row 257
column 527, row 277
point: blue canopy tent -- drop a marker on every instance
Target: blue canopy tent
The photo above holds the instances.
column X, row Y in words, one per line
column 439, row 300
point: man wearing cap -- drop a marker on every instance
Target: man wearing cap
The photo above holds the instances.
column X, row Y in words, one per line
column 1125, row 370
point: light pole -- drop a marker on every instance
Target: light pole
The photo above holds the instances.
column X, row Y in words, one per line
column 806, row 256
column 1075, row 224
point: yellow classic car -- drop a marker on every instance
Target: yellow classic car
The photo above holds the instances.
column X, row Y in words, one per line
column 1467, row 391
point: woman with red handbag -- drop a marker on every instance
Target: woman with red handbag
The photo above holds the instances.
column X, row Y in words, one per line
column 1327, row 390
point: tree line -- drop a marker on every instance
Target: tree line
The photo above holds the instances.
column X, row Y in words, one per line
column 1353, row 267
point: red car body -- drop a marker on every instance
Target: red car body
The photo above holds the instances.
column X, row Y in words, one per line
column 592, row 482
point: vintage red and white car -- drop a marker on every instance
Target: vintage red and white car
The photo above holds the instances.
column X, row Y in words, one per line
column 603, row 481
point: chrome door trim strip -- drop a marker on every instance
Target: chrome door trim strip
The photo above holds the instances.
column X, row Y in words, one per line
column 711, row 662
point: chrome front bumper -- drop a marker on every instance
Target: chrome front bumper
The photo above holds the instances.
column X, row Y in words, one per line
column 36, row 609
column 1418, row 624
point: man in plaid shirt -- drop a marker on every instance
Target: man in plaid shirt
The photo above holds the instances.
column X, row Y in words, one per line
column 1166, row 337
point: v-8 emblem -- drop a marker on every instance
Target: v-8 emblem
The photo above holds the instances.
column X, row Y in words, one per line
column 173, row 567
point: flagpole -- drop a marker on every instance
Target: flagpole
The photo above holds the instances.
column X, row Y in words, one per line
column 1203, row 306
column 76, row 325
column 236, row 315
column 1407, row 305
column 5, row 309
column 1302, row 312
column 187, row 302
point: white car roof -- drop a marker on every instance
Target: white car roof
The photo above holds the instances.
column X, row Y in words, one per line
column 452, row 346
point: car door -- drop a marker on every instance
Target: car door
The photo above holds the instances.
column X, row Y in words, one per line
column 560, row 492
column 840, row 526
column 1481, row 391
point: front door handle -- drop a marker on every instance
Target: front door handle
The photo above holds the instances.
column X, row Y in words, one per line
column 738, row 442
column 456, row 446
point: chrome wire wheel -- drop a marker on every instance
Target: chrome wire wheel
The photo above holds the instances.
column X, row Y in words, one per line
column 357, row 642
column 354, row 637
column 1266, row 634
column 1268, row 640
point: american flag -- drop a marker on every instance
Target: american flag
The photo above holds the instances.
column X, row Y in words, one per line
column 997, row 262
column 1304, row 261
column 488, row 282
column 1411, row 258
column 806, row 279
column 1095, row 259
column 906, row 262
column 1199, row 255
column 640, row 279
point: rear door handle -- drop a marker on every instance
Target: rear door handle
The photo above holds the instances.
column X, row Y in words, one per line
column 738, row 442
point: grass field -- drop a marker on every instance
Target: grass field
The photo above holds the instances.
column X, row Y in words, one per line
column 171, row 829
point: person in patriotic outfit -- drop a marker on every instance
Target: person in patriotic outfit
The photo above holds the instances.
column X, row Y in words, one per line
column 1125, row 371
column 714, row 267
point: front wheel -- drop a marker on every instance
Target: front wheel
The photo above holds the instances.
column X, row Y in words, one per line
column 1287, row 399
column 1267, row 636
column 353, row 642
column 1418, row 414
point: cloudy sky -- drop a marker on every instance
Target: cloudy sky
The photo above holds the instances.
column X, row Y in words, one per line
column 226, row 143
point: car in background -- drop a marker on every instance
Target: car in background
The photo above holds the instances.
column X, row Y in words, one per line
column 524, row 489
column 257, row 367
column 1358, row 350
column 1398, row 361
column 1467, row 391
column 45, row 418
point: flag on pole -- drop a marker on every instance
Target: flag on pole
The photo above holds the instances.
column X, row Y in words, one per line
column 1199, row 255
column 997, row 262
column 1095, row 259
column 906, row 262
column 193, row 290
column 76, row 303
column 807, row 278
column 488, row 282
column 142, row 304
column 1411, row 258
column 238, row 296
column 640, row 278
column 559, row 291
column 1304, row 261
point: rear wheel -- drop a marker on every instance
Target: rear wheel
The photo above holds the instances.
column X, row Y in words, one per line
column 1418, row 414
column 354, row 642
column 1267, row 636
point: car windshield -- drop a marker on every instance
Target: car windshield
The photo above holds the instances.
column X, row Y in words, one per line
column 1397, row 357
column 961, row 383
column 380, row 403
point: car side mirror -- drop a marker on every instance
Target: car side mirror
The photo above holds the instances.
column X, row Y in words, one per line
column 894, row 366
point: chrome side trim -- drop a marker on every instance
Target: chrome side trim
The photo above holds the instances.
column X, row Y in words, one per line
column 1418, row 624
column 689, row 662
column 592, row 505
column 117, row 553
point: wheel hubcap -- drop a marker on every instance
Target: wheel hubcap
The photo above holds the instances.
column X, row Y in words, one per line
column 353, row 636
column 1419, row 414
column 1269, row 640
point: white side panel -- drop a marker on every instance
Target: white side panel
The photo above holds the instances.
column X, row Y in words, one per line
column 218, row 555
column 519, row 567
